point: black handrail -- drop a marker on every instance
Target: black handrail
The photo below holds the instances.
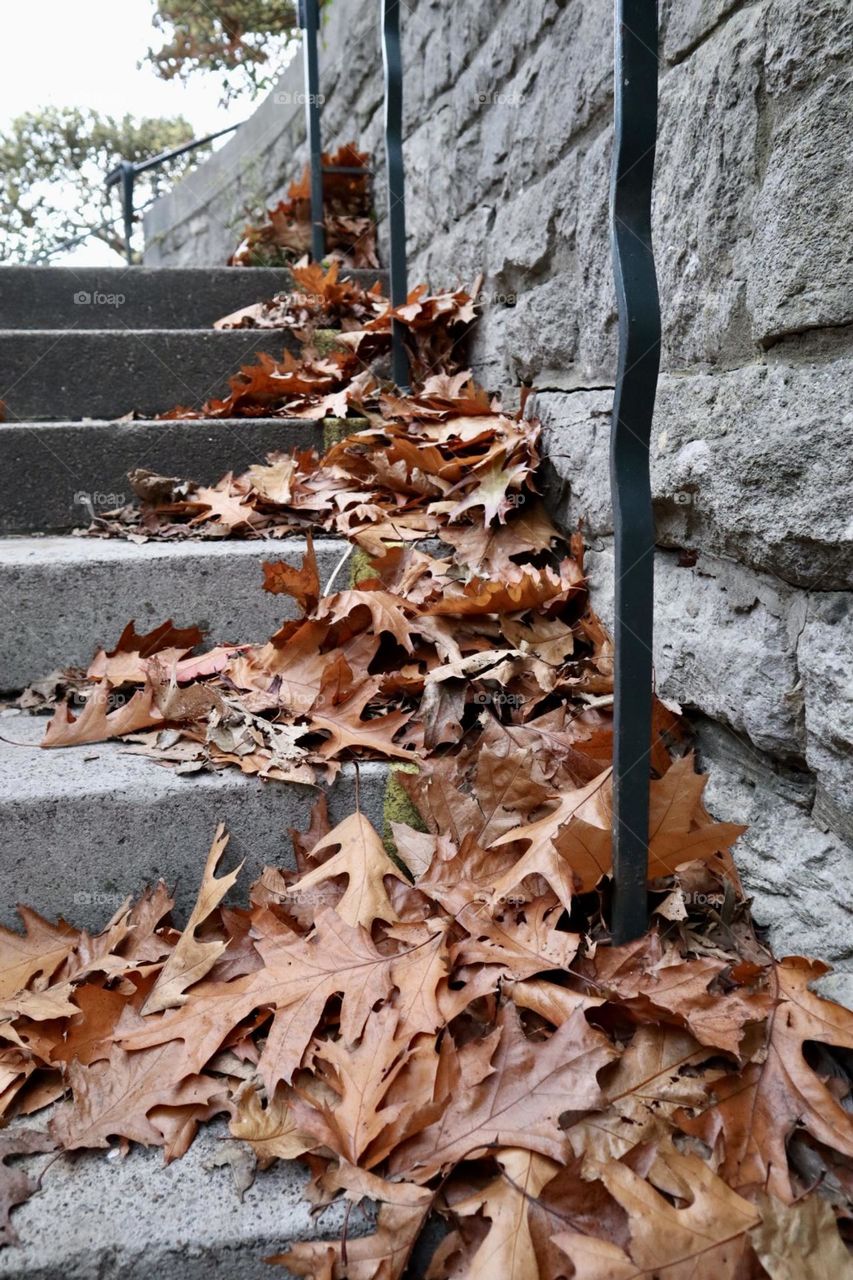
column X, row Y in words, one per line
column 126, row 172
column 393, row 65
column 636, row 72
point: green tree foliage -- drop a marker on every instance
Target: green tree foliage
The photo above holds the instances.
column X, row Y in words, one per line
column 53, row 166
column 246, row 37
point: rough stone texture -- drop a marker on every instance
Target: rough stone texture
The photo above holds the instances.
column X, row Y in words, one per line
column 826, row 666
column 100, row 1217
column 52, row 472
column 742, row 653
column 84, row 827
column 796, row 874
column 69, row 595
column 802, row 275
column 725, row 643
column 750, row 464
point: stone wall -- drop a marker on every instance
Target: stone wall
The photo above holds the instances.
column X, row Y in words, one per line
column 508, row 139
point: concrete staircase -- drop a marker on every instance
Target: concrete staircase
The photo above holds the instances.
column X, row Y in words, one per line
column 86, row 826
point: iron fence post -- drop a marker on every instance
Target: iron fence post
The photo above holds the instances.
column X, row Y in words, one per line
column 128, row 178
column 393, row 64
column 636, row 71
column 309, row 20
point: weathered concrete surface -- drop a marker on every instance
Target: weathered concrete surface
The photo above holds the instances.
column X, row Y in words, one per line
column 100, row 1217
column 52, row 473
column 84, row 827
column 69, row 373
column 749, row 464
column 68, row 596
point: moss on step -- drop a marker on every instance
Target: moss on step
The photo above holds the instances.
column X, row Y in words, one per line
column 398, row 807
column 327, row 341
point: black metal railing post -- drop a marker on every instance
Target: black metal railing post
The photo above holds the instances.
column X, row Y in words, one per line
column 128, row 178
column 309, row 20
column 636, row 74
column 393, row 64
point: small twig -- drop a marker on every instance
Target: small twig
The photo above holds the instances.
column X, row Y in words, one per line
column 338, row 568
column 33, row 746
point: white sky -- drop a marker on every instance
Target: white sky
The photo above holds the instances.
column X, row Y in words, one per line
column 83, row 53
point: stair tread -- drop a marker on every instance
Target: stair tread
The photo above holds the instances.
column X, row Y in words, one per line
column 105, row 373
column 121, row 297
column 101, row 1218
column 69, row 595
column 86, row 826
column 51, row 473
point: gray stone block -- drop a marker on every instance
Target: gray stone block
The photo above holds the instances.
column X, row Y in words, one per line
column 749, row 464
column 68, row 596
column 705, row 186
column 725, row 644
column 66, row 373
column 685, row 23
column 826, row 665
column 797, row 875
column 84, row 827
column 51, row 472
column 801, row 268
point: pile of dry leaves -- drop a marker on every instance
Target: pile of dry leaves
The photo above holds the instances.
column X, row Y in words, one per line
column 345, row 332
column 447, row 1033
column 437, row 1021
column 285, row 234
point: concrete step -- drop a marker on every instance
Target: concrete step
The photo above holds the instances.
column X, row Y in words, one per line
column 137, row 297
column 68, row 373
column 51, row 471
column 63, row 597
column 98, row 1217
column 84, row 827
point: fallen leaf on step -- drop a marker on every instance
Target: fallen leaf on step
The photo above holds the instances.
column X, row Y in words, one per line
column 193, row 957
